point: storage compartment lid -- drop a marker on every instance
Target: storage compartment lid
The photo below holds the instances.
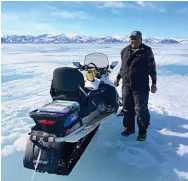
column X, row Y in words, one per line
column 60, row 106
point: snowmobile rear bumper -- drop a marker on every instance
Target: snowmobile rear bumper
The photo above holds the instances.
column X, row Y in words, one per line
column 56, row 158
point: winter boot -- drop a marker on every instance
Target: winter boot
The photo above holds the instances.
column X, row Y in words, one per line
column 127, row 132
column 142, row 135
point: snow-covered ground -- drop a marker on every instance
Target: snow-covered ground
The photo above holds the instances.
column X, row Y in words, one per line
column 26, row 77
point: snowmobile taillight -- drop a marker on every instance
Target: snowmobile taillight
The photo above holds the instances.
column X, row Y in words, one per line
column 46, row 122
column 67, row 131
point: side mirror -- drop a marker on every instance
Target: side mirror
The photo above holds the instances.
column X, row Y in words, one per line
column 77, row 64
column 113, row 64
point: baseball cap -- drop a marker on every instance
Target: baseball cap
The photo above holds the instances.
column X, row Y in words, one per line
column 136, row 34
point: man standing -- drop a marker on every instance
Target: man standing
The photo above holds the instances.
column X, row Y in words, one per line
column 137, row 64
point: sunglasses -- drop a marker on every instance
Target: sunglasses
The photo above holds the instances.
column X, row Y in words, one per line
column 134, row 38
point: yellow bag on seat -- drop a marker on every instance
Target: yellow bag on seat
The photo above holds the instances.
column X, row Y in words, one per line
column 90, row 74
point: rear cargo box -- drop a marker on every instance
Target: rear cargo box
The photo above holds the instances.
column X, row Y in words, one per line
column 57, row 117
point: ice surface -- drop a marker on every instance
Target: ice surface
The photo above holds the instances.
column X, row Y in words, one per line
column 26, row 78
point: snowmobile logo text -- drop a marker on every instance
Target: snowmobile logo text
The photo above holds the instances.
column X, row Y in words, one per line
column 40, row 161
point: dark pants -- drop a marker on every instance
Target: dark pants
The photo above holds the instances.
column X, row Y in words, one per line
column 135, row 103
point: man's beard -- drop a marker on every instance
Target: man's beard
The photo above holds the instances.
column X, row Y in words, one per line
column 134, row 46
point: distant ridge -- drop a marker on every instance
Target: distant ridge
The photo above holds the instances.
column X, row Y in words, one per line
column 64, row 39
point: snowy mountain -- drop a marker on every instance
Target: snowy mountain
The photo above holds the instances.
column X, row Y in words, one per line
column 62, row 38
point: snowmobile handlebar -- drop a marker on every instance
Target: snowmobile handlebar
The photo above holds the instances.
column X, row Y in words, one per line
column 87, row 66
column 102, row 71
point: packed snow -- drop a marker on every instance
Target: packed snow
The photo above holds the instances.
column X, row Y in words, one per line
column 26, row 77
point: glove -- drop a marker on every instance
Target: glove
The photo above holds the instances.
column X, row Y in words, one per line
column 153, row 88
column 116, row 82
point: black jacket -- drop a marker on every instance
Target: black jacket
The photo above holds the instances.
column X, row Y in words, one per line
column 134, row 68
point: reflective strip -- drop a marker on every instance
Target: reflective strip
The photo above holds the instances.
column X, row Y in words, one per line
column 45, row 139
column 34, row 138
column 51, row 139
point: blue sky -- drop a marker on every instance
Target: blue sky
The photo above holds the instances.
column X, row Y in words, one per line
column 108, row 18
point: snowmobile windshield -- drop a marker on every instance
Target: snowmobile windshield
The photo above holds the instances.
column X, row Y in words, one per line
column 99, row 59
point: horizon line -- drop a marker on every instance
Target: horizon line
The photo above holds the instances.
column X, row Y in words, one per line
column 99, row 36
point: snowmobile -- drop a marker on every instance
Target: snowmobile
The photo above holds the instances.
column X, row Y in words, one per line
column 65, row 126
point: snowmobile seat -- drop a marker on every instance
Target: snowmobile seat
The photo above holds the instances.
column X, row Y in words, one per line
column 68, row 84
column 65, row 84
